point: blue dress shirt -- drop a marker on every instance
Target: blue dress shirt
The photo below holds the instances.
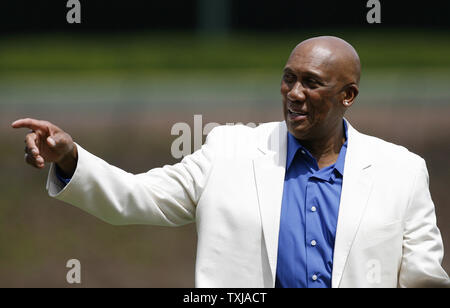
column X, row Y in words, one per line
column 309, row 213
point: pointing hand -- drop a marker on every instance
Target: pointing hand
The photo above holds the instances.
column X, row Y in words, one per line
column 48, row 143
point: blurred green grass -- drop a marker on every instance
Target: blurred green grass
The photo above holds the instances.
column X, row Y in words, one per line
column 156, row 52
column 158, row 69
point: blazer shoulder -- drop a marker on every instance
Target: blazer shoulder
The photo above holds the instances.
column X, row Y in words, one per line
column 246, row 131
column 243, row 137
column 386, row 151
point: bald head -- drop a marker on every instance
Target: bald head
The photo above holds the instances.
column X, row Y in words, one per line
column 335, row 54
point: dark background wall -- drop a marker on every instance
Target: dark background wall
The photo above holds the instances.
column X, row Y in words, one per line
column 106, row 15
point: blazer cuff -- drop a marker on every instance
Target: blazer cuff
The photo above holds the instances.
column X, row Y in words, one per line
column 56, row 183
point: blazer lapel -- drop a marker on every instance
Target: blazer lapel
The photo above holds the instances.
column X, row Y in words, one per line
column 269, row 171
column 356, row 189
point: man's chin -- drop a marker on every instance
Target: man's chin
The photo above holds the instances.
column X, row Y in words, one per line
column 299, row 131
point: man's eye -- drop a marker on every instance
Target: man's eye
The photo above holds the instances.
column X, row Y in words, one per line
column 312, row 83
column 289, row 78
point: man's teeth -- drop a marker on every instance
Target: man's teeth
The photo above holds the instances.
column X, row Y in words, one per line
column 297, row 113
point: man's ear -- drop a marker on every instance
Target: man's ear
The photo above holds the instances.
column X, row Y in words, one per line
column 351, row 91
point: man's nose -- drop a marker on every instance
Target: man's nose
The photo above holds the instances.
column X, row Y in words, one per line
column 297, row 93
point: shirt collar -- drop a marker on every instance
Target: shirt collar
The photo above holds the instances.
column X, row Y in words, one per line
column 294, row 145
column 339, row 165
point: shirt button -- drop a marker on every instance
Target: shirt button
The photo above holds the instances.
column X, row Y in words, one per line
column 313, row 243
column 313, row 209
column 314, row 277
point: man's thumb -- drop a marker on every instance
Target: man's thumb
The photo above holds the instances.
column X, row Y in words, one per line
column 51, row 142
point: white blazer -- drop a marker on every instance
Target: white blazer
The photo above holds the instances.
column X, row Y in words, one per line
column 232, row 188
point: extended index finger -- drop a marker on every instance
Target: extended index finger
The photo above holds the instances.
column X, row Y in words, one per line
column 29, row 123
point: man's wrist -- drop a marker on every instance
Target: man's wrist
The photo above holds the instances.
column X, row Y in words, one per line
column 68, row 163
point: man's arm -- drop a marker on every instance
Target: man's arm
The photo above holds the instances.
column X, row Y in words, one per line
column 163, row 196
column 422, row 243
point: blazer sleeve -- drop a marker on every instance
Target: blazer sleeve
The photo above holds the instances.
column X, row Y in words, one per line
column 164, row 196
column 422, row 243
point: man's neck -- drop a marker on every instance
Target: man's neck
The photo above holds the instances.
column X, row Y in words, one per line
column 326, row 149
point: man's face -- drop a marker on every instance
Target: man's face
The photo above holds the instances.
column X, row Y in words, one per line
column 312, row 93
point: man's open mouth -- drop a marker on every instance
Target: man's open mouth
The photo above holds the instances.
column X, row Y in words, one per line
column 297, row 113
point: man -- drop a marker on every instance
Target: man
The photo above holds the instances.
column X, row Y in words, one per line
column 307, row 202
